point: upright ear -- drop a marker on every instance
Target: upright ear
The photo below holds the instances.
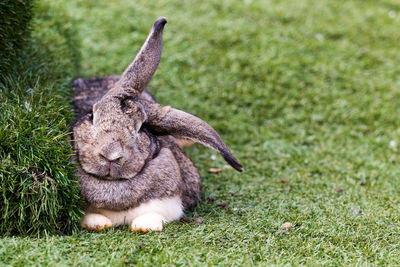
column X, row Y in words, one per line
column 141, row 70
column 167, row 120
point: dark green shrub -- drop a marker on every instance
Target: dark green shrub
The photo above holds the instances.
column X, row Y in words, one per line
column 15, row 16
column 38, row 190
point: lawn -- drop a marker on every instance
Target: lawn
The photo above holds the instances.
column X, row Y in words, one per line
column 306, row 94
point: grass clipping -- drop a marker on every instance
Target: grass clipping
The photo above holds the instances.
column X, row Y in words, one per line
column 38, row 191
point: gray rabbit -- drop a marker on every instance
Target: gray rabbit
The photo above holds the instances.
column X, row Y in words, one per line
column 131, row 169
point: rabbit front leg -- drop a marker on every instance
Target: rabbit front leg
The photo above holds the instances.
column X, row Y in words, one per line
column 152, row 215
column 95, row 222
column 148, row 222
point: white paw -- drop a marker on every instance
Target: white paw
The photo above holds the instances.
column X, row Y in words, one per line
column 148, row 222
column 95, row 222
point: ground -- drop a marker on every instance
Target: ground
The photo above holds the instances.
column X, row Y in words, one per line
column 307, row 95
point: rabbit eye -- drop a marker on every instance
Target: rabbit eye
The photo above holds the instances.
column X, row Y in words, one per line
column 128, row 106
column 91, row 117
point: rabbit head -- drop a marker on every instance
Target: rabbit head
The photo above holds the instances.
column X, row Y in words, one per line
column 120, row 136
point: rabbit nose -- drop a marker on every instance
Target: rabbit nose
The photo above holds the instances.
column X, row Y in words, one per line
column 112, row 152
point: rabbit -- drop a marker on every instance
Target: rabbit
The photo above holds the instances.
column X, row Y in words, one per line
column 130, row 167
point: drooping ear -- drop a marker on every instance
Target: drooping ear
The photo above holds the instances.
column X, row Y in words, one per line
column 167, row 120
column 141, row 70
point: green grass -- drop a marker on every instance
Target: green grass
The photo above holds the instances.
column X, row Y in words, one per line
column 15, row 17
column 38, row 190
column 303, row 90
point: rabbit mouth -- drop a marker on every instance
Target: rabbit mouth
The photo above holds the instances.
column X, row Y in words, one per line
column 114, row 171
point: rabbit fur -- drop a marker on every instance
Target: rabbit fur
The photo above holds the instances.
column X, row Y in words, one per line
column 130, row 166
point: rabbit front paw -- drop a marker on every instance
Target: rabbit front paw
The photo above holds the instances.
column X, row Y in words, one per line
column 95, row 222
column 148, row 222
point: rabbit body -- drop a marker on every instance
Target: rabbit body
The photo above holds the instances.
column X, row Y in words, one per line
column 131, row 169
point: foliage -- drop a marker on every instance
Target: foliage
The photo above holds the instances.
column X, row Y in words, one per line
column 39, row 193
column 15, row 16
